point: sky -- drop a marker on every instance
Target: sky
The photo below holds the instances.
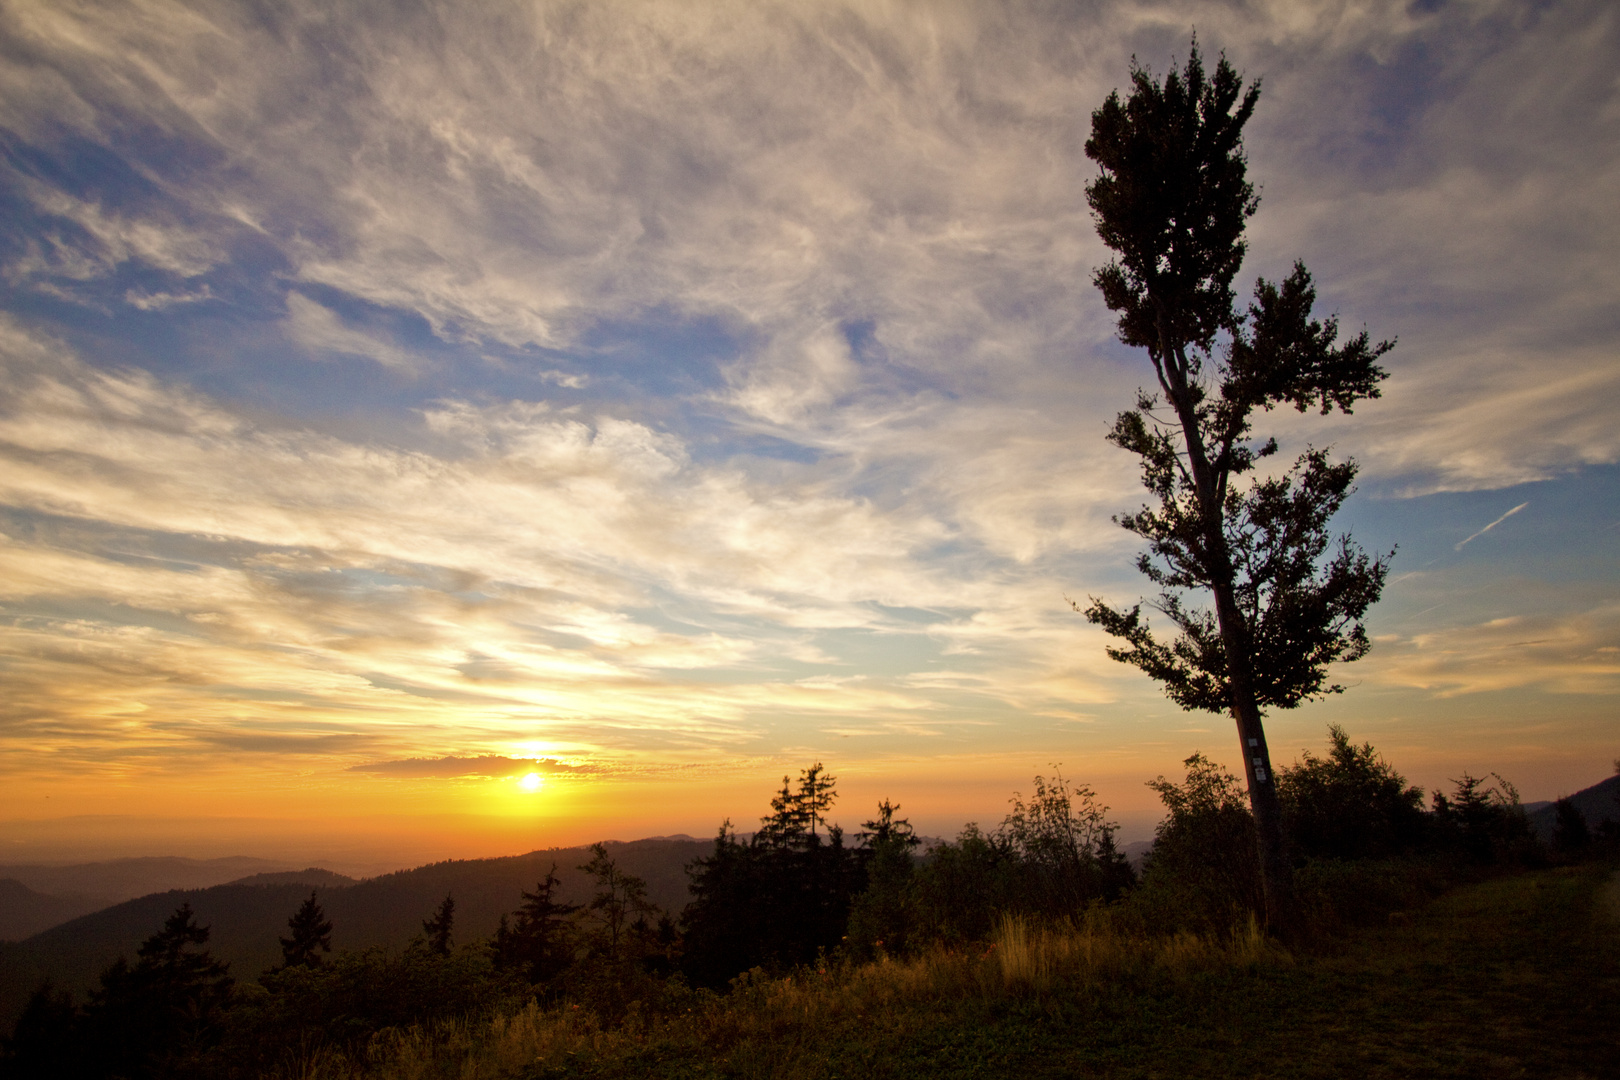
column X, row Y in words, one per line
column 399, row 399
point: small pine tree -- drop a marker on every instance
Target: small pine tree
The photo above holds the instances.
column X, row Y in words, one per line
column 881, row 917
column 1351, row 804
column 311, row 936
column 538, row 942
column 886, row 830
column 438, row 928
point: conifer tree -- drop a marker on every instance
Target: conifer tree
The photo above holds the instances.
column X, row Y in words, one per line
column 439, row 927
column 538, row 942
column 1172, row 201
column 165, row 1008
column 311, row 936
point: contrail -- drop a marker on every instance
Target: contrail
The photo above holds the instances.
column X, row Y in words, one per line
column 1492, row 525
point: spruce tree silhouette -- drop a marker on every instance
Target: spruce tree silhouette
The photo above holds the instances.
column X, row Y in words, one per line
column 311, row 936
column 1571, row 834
column 539, row 944
column 439, row 927
column 1172, row 201
column 146, row 1018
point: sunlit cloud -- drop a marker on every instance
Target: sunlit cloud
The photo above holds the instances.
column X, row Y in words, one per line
column 489, row 766
column 1576, row 653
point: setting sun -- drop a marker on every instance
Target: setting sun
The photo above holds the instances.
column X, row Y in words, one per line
column 531, row 782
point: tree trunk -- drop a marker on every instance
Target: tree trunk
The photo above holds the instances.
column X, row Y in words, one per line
column 1276, row 875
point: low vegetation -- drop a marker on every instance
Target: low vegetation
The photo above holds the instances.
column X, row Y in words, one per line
column 1032, row 947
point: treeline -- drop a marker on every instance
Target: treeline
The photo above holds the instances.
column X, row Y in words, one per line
column 795, row 893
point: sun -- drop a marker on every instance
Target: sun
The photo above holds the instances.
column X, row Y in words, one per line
column 531, row 782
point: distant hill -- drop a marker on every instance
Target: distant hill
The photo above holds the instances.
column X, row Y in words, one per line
column 1600, row 803
column 124, row 879
column 24, row 912
column 247, row 919
column 310, row 876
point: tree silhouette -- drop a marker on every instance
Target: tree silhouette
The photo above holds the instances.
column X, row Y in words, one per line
column 779, row 898
column 311, row 936
column 620, row 899
column 1172, row 202
column 795, row 815
column 886, row 830
column 539, row 942
column 1351, row 804
column 880, row 917
column 438, row 928
column 1571, row 835
column 163, row 1009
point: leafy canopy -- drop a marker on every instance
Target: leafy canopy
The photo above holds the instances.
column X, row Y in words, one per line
column 1172, row 201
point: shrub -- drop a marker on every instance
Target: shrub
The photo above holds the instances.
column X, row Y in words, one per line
column 1203, row 873
column 1350, row 804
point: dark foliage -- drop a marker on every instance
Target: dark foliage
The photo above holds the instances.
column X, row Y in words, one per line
column 777, row 900
column 45, row 1042
column 1051, row 857
column 1350, row 804
column 347, row 1000
column 883, row 916
column 617, row 917
column 1485, row 820
column 311, row 936
column 155, row 1018
column 438, row 931
column 1571, row 836
column 537, row 944
column 1202, row 873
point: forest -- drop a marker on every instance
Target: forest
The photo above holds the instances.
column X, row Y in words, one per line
column 800, row 902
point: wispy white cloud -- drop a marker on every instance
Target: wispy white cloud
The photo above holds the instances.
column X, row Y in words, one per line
column 582, row 575
column 320, row 328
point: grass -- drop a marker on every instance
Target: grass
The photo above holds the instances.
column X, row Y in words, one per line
column 1515, row 977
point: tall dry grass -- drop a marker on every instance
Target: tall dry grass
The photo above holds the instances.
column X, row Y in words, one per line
column 766, row 1024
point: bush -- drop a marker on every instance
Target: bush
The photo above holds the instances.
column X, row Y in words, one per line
column 1350, row 804
column 1485, row 824
column 1203, row 873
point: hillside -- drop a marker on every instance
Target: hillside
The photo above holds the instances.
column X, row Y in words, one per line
column 1599, row 803
column 247, row 919
column 309, row 876
column 25, row 912
column 113, row 880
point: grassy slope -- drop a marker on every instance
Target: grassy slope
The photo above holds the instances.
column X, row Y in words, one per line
column 1511, row 978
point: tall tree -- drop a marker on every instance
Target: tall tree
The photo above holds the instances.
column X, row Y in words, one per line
column 1172, row 201
column 145, row 1019
column 439, row 928
column 620, row 899
column 311, row 935
column 539, row 943
column 796, row 815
